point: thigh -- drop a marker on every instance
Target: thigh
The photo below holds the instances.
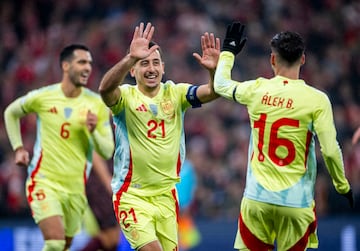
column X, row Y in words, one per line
column 145, row 220
column 136, row 219
column 167, row 224
column 296, row 228
column 43, row 201
column 255, row 226
column 74, row 206
column 52, row 228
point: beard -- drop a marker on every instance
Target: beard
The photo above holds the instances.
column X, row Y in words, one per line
column 78, row 80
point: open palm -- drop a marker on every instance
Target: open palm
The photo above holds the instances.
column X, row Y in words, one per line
column 210, row 51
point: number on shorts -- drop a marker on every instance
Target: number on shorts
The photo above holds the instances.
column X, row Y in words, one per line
column 123, row 215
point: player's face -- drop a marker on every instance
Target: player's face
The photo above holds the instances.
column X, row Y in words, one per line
column 80, row 68
column 148, row 72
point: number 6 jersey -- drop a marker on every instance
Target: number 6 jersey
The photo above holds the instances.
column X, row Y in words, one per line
column 63, row 146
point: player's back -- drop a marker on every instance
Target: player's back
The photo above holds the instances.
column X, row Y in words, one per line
column 284, row 114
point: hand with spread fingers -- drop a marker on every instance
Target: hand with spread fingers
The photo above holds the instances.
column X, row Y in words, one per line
column 210, row 51
column 139, row 47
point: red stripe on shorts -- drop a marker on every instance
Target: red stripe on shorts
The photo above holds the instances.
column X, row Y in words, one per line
column 250, row 240
column 123, row 188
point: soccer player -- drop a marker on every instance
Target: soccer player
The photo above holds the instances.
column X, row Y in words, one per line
column 72, row 121
column 98, row 192
column 285, row 115
column 149, row 136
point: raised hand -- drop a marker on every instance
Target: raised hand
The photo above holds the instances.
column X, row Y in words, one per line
column 139, row 47
column 234, row 40
column 210, row 47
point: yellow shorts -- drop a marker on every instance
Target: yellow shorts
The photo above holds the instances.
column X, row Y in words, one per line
column 47, row 200
column 146, row 219
column 260, row 224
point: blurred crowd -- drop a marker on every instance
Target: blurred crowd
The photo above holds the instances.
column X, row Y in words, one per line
column 33, row 32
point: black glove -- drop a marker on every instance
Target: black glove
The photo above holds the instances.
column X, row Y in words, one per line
column 350, row 197
column 234, row 42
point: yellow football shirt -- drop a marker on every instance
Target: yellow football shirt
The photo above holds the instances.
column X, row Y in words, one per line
column 285, row 115
column 150, row 141
column 63, row 147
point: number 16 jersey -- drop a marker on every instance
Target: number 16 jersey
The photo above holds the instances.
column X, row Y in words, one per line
column 285, row 115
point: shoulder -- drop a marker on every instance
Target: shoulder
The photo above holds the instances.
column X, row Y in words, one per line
column 47, row 90
column 317, row 92
column 127, row 88
column 171, row 85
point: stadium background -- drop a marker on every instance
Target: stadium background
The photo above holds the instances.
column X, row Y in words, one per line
column 33, row 32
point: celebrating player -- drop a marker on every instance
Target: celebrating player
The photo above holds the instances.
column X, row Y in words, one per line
column 149, row 138
column 285, row 114
column 72, row 121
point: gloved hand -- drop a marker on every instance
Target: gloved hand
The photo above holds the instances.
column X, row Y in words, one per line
column 234, row 41
column 350, row 197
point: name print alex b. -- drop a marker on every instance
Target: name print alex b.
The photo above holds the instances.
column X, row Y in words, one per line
column 277, row 101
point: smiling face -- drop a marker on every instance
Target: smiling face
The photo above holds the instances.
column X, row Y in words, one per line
column 79, row 67
column 148, row 73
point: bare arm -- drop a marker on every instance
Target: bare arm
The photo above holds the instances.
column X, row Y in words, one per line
column 139, row 48
column 356, row 136
column 102, row 171
column 210, row 55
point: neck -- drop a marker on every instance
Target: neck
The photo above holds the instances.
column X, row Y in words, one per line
column 69, row 89
column 288, row 72
column 149, row 91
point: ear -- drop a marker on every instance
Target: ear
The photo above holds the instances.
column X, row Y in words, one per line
column 272, row 59
column 65, row 65
column 132, row 72
column 302, row 59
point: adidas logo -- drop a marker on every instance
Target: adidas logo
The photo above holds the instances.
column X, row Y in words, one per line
column 232, row 43
column 53, row 110
column 141, row 108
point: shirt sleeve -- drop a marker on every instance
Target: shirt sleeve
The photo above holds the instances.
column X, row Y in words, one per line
column 12, row 116
column 223, row 84
column 102, row 136
column 330, row 149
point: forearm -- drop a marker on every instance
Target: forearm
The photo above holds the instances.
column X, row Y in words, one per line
column 12, row 116
column 101, row 170
column 223, row 84
column 206, row 93
column 334, row 162
column 104, row 144
column 108, row 88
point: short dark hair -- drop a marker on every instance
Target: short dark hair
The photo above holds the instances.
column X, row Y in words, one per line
column 68, row 52
column 289, row 45
column 152, row 43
